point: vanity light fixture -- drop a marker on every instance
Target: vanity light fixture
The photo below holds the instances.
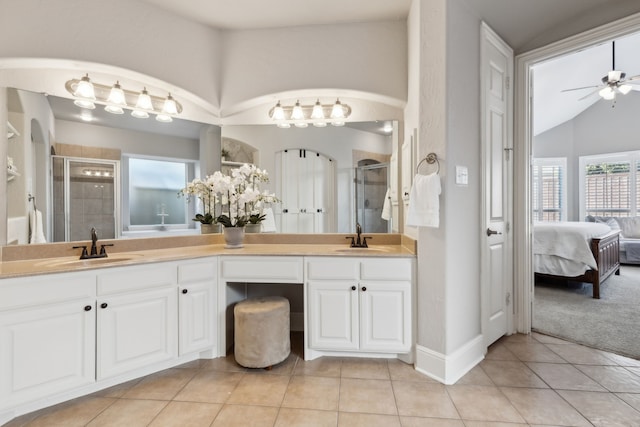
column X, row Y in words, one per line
column 116, row 99
column 318, row 114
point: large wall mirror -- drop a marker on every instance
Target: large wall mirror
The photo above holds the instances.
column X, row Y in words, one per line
column 122, row 175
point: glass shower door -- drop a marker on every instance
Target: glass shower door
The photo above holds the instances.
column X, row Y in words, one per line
column 87, row 190
column 371, row 188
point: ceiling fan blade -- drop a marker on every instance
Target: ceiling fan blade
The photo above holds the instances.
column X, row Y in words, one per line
column 579, row 88
column 590, row 93
column 633, row 80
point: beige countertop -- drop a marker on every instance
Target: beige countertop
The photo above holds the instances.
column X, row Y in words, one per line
column 149, row 252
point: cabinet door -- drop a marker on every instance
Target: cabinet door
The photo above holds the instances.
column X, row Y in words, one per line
column 46, row 350
column 385, row 316
column 333, row 315
column 197, row 320
column 135, row 330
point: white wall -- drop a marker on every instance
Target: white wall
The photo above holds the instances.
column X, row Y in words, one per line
column 128, row 141
column 124, row 33
column 367, row 57
column 597, row 130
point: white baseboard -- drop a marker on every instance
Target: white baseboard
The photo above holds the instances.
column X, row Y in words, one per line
column 448, row 369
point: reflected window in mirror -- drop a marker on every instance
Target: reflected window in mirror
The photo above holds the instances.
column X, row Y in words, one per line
column 151, row 189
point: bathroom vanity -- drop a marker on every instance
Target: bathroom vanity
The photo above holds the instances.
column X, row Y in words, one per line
column 70, row 327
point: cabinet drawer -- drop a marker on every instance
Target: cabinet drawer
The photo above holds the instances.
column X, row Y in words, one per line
column 332, row 268
column 46, row 289
column 257, row 269
column 386, row 269
column 128, row 279
column 205, row 270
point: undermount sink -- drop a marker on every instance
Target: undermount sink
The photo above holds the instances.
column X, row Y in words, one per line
column 89, row 261
column 362, row 250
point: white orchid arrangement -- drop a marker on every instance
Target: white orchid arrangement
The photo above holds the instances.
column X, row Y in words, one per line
column 238, row 196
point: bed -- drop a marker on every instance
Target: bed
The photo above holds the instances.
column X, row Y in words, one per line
column 577, row 251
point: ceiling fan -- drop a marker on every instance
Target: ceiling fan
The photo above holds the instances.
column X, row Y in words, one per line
column 613, row 83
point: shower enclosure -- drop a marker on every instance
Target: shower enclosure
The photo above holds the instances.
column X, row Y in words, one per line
column 85, row 195
column 372, row 182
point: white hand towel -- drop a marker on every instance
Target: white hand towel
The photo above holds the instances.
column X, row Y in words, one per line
column 36, row 234
column 386, row 207
column 424, row 201
column 269, row 223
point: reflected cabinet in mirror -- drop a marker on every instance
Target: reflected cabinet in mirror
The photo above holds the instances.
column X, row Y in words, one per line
column 122, row 175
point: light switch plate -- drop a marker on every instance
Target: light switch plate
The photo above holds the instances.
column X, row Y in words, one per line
column 462, row 175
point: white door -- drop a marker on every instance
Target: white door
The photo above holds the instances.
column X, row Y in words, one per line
column 46, row 350
column 136, row 330
column 385, row 316
column 497, row 116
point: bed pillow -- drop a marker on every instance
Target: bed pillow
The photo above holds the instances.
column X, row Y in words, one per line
column 629, row 227
column 611, row 222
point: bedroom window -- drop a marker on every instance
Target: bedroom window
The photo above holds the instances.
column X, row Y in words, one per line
column 610, row 184
column 550, row 189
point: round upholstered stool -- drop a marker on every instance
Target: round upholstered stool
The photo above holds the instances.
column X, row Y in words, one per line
column 261, row 331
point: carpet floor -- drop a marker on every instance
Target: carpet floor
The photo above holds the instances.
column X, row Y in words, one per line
column 612, row 323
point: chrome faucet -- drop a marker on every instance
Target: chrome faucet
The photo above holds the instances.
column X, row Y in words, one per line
column 359, row 241
column 93, row 253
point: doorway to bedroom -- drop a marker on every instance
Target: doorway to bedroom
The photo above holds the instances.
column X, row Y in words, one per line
column 585, row 173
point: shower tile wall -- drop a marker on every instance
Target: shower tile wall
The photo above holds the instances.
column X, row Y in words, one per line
column 91, row 206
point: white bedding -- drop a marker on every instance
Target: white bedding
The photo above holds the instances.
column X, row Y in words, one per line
column 562, row 248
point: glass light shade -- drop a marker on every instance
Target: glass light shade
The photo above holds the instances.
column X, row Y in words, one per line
column 139, row 114
column 144, row 101
column 284, row 125
column 624, row 89
column 84, row 104
column 301, row 125
column 297, row 113
column 607, row 93
column 84, row 89
column 337, row 123
column 170, row 107
column 113, row 109
column 320, row 124
column 116, row 96
column 317, row 113
column 337, row 112
column 164, row 118
column 278, row 112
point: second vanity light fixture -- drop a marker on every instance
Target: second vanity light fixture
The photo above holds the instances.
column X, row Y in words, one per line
column 115, row 99
column 317, row 114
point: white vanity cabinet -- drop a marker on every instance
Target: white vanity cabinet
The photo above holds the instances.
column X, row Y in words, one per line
column 137, row 318
column 47, row 336
column 197, row 305
column 359, row 304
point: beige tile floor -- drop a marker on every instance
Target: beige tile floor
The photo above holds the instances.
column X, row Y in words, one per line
column 524, row 381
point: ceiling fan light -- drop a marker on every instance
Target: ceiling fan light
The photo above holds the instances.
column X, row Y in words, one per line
column 615, row 75
column 84, row 89
column 144, row 101
column 297, row 113
column 607, row 93
column 624, row 89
